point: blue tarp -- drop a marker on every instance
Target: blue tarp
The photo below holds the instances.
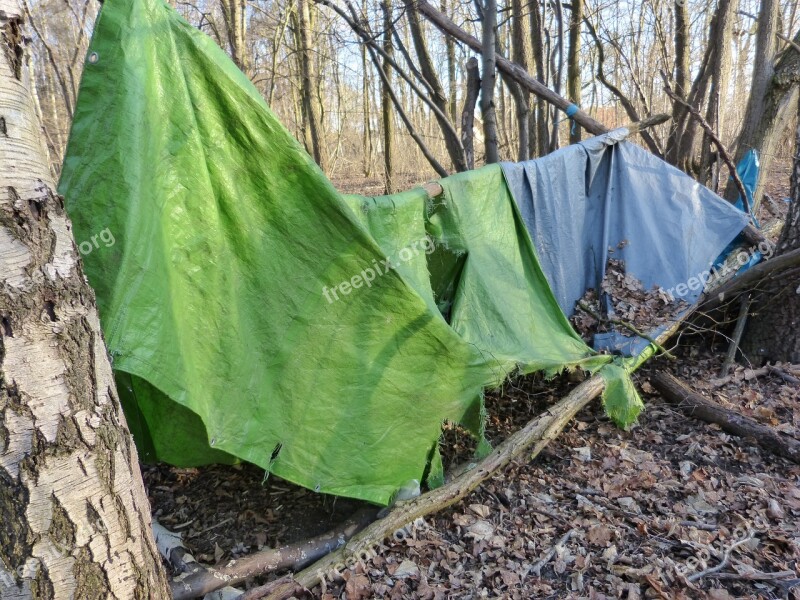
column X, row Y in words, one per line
column 585, row 199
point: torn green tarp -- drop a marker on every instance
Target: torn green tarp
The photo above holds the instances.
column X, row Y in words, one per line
column 234, row 299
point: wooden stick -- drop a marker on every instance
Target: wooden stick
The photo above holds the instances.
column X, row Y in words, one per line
column 514, row 71
column 434, row 188
column 787, row 377
column 695, row 405
column 733, row 347
column 265, row 590
column 524, row 444
column 205, row 580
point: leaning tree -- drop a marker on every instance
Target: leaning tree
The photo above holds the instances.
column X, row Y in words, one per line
column 75, row 517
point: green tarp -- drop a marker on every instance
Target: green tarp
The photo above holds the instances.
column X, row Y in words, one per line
column 251, row 311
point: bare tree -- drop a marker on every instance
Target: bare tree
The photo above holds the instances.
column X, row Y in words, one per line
column 386, row 97
column 573, row 62
column 438, row 97
column 489, row 26
column 313, row 126
column 468, row 113
column 774, row 86
column 233, row 12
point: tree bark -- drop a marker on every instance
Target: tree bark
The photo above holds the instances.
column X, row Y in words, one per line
column 236, row 25
column 468, row 114
column 450, row 47
column 539, row 129
column 519, row 54
column 773, row 333
column 386, row 99
column 761, row 81
column 573, row 63
column 313, row 126
column 765, row 124
column 367, row 117
column 488, row 77
column 722, row 41
column 76, row 521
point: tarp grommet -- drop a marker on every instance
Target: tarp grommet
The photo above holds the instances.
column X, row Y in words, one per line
column 94, row 58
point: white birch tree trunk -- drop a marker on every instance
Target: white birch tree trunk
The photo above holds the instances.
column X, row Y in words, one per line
column 74, row 517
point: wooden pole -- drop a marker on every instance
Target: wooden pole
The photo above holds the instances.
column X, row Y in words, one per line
column 514, row 71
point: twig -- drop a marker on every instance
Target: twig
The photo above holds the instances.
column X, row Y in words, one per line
column 585, row 308
column 725, row 560
column 537, row 566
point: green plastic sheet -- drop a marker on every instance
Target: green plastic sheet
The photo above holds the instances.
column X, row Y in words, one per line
column 237, row 299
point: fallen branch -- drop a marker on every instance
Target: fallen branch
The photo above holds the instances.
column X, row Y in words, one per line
column 787, row 377
column 527, row 443
column 293, row 556
column 786, row 372
column 265, row 590
column 695, row 405
column 758, row 576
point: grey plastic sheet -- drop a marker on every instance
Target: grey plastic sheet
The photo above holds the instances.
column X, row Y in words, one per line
column 608, row 198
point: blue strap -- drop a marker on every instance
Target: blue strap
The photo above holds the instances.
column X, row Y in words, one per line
column 571, row 111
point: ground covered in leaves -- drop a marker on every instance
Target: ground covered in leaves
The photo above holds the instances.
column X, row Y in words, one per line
column 601, row 513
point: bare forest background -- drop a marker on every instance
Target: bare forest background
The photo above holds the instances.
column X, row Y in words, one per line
column 382, row 99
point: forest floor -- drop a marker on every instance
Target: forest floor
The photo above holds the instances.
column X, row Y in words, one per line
column 600, row 513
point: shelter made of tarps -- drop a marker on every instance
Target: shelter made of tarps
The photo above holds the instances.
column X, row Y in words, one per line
column 601, row 199
column 253, row 313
